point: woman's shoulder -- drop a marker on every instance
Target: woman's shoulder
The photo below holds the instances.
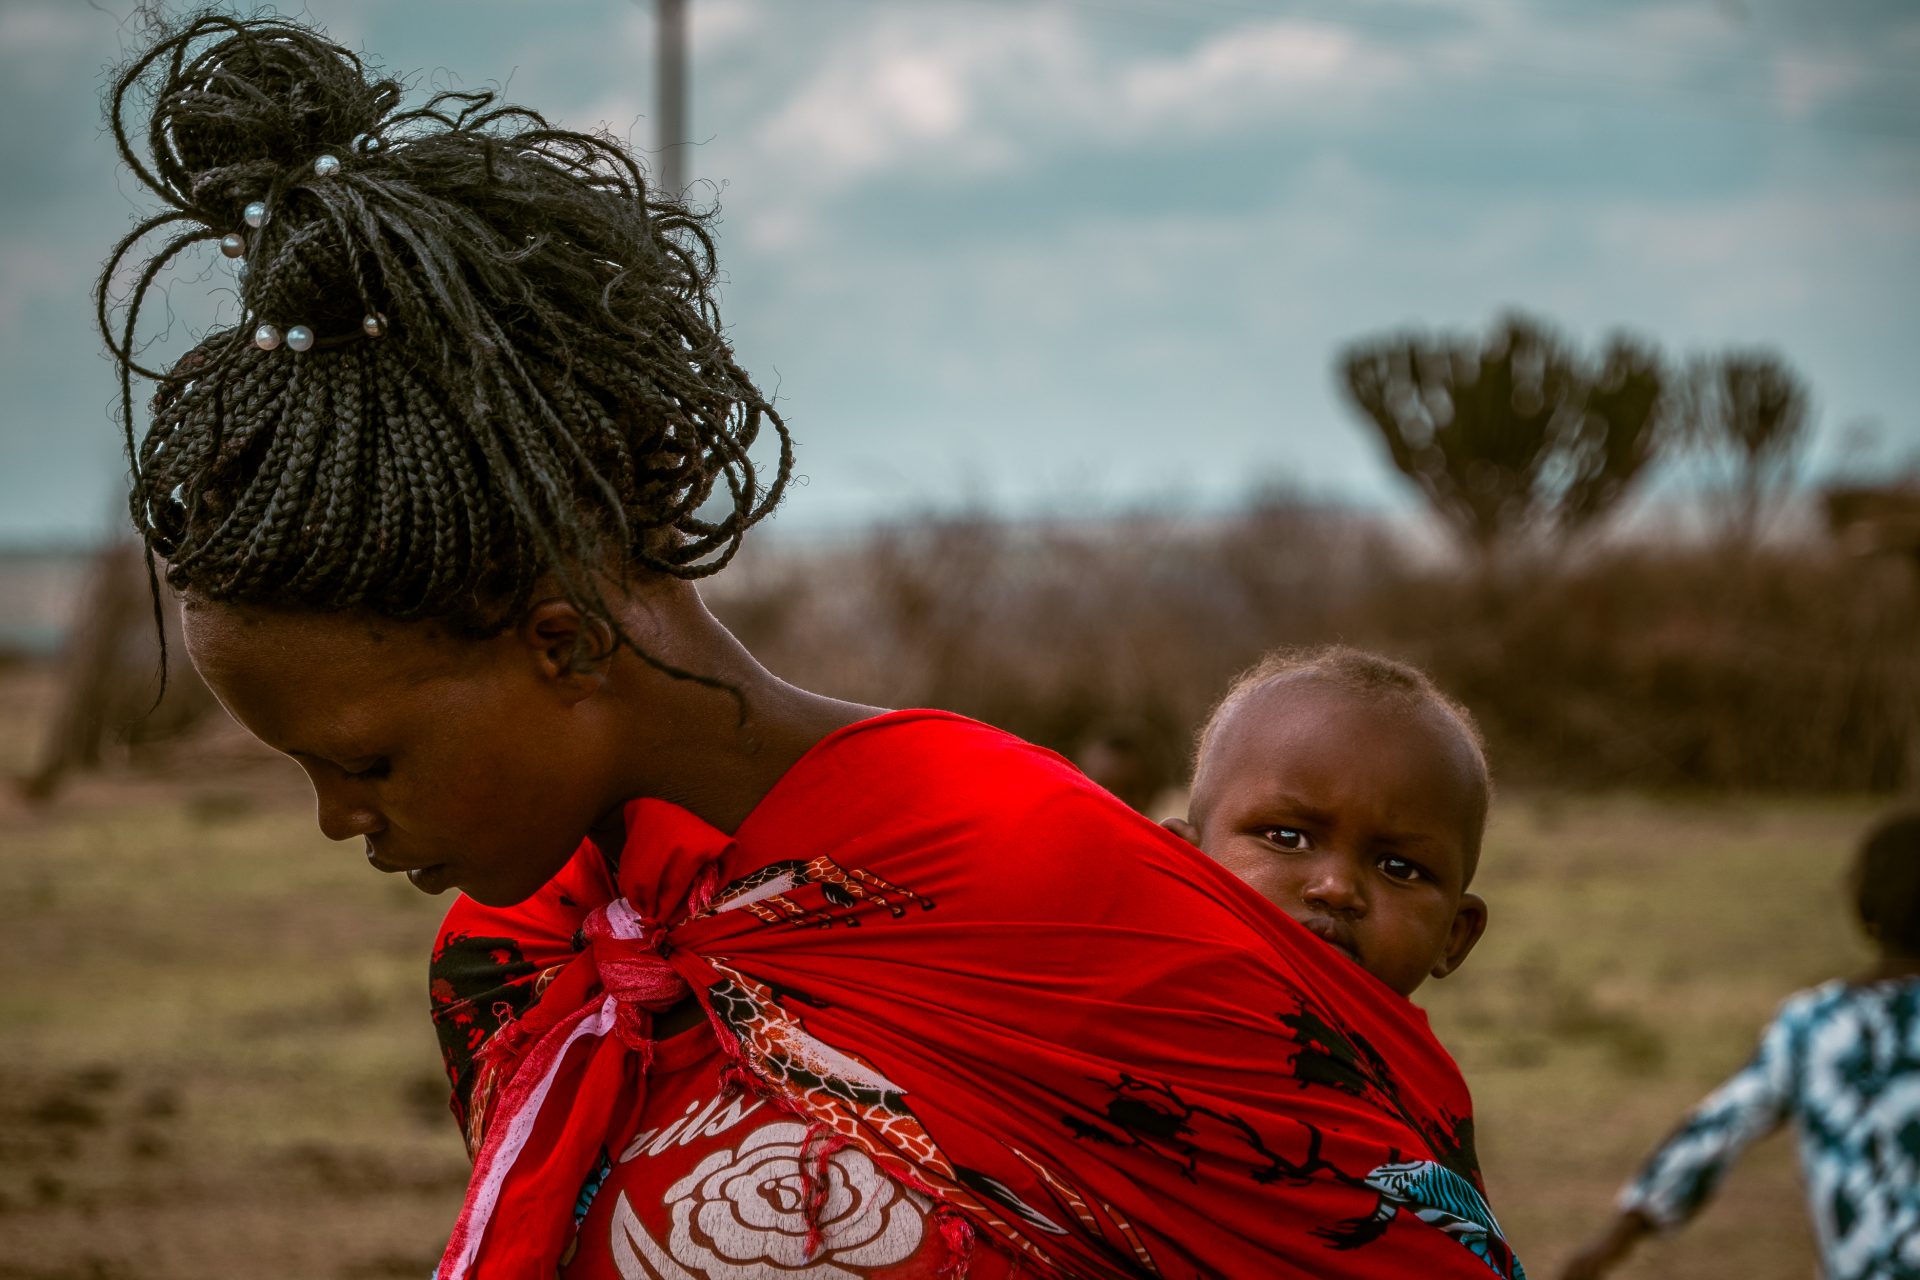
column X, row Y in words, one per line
column 919, row 743
column 928, row 767
column 949, row 802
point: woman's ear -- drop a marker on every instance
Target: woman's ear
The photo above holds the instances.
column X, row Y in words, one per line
column 1184, row 829
column 569, row 647
column 1469, row 922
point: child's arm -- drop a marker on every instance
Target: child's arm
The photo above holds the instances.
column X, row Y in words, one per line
column 1607, row 1251
column 1680, row 1176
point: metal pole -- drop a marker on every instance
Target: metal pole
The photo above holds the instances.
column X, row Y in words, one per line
column 671, row 58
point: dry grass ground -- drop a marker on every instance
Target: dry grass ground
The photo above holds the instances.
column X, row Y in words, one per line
column 215, row 1058
column 1638, row 945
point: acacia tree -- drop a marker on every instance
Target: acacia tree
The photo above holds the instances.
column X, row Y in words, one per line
column 1745, row 414
column 1513, row 434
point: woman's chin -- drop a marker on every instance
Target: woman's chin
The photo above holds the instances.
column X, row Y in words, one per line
column 438, row 878
column 490, row 891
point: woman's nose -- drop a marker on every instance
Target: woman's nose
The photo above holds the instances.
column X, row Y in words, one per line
column 1334, row 884
column 344, row 815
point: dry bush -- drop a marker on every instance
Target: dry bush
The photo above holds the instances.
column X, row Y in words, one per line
column 110, row 702
column 1790, row 668
column 1641, row 666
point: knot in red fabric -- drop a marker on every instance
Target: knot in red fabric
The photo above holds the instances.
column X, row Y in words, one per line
column 625, row 949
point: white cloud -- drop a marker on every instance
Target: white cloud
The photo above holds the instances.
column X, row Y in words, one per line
column 941, row 85
column 926, row 88
column 1246, row 74
column 951, row 91
column 718, row 25
column 34, row 30
column 1671, row 33
column 947, row 92
column 848, row 125
column 1757, row 259
column 1802, row 87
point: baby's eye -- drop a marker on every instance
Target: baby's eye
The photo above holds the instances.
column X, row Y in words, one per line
column 1401, row 869
column 1290, row 838
column 380, row 768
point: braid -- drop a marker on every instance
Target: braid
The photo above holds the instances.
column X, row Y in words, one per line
column 544, row 388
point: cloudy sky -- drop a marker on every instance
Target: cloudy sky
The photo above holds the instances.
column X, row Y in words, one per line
column 1077, row 252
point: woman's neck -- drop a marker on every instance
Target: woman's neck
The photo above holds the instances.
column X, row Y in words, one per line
column 714, row 751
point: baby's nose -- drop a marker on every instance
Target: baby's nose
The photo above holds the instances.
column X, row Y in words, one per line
column 1335, row 885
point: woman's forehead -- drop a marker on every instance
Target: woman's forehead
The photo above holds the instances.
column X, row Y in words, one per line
column 346, row 651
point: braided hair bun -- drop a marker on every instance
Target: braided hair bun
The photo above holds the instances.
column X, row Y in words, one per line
column 511, row 362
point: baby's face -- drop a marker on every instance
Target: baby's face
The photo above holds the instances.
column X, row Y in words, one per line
column 1357, row 817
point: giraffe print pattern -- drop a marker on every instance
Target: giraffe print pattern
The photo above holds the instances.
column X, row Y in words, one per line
column 1090, row 1222
column 763, row 894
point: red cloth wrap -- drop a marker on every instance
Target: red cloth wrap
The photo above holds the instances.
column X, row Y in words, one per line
column 1102, row 1052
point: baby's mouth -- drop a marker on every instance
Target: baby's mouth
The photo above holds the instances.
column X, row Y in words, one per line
column 1335, row 932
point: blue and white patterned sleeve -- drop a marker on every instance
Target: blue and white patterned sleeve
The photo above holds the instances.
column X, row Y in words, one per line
column 1682, row 1174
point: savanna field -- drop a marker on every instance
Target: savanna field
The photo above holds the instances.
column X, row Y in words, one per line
column 216, row 1057
column 1089, row 352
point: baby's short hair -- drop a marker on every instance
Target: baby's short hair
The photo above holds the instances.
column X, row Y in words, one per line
column 1887, row 883
column 1372, row 675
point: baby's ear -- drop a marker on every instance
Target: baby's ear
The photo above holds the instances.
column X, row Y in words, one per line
column 1184, row 829
column 1469, row 922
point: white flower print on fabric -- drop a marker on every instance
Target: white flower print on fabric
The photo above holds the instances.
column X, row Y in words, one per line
column 741, row 1214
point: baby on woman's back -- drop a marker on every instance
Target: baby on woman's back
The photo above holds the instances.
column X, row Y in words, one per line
column 1352, row 794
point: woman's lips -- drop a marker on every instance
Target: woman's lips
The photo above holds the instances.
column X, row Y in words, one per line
column 1335, row 933
column 433, row 878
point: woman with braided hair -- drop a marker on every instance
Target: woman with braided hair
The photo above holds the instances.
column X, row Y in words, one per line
column 742, row 980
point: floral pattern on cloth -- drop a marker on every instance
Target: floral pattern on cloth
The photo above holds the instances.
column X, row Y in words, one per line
column 742, row 1213
column 849, row 1099
column 1842, row 1062
column 929, row 986
column 721, row 1183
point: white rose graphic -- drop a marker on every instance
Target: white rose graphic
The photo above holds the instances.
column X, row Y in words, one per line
column 742, row 1213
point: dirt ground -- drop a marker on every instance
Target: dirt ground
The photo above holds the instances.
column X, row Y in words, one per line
column 215, row 1057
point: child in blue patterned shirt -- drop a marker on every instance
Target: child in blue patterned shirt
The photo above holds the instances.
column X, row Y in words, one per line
column 1841, row 1060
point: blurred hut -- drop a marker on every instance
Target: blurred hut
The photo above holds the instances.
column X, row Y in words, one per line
column 1883, row 520
column 1877, row 519
column 1131, row 759
column 107, row 704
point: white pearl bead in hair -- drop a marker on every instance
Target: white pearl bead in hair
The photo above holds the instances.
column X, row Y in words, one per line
column 233, row 244
column 326, row 166
column 300, row 338
column 374, row 326
column 266, row 337
column 256, row 214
